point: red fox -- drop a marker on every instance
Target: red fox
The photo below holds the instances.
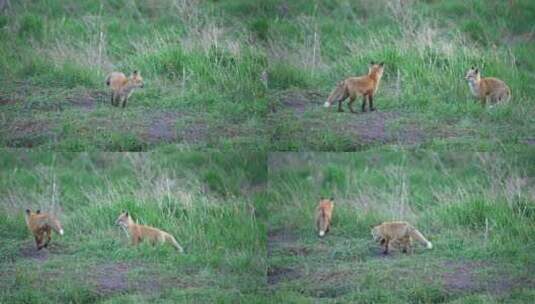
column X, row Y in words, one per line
column 139, row 233
column 41, row 225
column 352, row 87
column 122, row 87
column 488, row 88
column 398, row 233
column 324, row 213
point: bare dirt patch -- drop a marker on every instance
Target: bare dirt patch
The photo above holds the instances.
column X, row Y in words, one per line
column 371, row 127
column 31, row 252
column 7, row 101
column 299, row 101
column 29, row 133
column 162, row 127
column 195, row 132
column 87, row 100
column 278, row 274
column 465, row 277
column 112, row 278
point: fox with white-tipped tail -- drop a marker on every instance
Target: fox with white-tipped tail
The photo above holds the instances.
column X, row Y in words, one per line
column 398, row 233
column 324, row 213
column 353, row 87
column 140, row 233
column 41, row 225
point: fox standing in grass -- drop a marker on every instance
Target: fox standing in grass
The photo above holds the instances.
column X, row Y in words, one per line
column 398, row 233
column 488, row 88
column 122, row 87
column 41, row 225
column 352, row 87
column 139, row 232
column 324, row 213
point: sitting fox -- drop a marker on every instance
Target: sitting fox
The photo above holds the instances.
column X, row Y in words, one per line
column 352, row 87
column 488, row 88
column 41, row 226
column 398, row 233
column 122, row 87
column 139, row 233
column 324, row 213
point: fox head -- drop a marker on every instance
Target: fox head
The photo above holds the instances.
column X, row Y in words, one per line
column 473, row 75
column 376, row 68
column 124, row 219
column 136, row 80
column 376, row 234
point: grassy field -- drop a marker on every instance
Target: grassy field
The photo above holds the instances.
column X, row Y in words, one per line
column 423, row 100
column 248, row 74
column 478, row 210
column 209, row 201
column 201, row 71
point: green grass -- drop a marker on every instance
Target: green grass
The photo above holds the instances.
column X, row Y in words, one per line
column 208, row 201
column 202, row 63
column 423, row 100
column 202, row 87
column 476, row 208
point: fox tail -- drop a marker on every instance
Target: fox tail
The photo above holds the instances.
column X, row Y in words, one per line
column 173, row 242
column 414, row 233
column 337, row 94
column 322, row 222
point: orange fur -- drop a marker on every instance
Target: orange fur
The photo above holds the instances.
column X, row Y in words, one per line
column 122, row 87
column 140, row 233
column 324, row 213
column 41, row 225
column 398, row 233
column 487, row 89
column 365, row 86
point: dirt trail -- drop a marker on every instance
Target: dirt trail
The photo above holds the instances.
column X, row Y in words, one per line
column 366, row 128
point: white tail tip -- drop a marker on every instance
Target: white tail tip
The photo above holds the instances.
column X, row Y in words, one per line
column 326, row 104
column 429, row 245
column 61, row 231
column 322, row 233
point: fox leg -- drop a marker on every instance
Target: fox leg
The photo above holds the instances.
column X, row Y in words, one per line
column 351, row 100
column 371, row 102
column 112, row 98
column 48, row 237
column 364, row 102
column 124, row 101
column 38, row 240
column 385, row 244
column 340, row 106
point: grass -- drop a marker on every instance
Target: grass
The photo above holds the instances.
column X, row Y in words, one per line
column 204, row 62
column 423, row 100
column 476, row 208
column 201, row 77
column 208, row 201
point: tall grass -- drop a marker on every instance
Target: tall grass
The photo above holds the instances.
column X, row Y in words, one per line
column 476, row 208
column 214, row 219
column 427, row 48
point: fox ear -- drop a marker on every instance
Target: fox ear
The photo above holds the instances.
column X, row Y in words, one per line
column 38, row 211
column 372, row 63
column 322, row 198
column 382, row 63
column 28, row 211
column 126, row 213
column 332, row 198
column 135, row 72
column 477, row 71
